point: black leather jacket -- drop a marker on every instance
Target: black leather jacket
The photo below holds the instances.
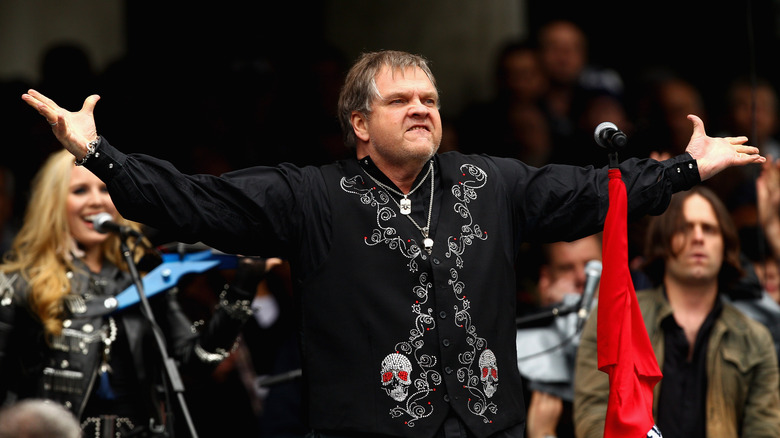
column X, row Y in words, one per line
column 69, row 368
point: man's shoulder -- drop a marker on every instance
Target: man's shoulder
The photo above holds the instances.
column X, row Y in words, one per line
column 749, row 339
column 737, row 320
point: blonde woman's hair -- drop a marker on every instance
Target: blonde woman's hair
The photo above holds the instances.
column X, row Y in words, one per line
column 41, row 251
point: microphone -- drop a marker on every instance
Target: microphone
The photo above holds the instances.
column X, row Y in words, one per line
column 104, row 223
column 592, row 277
column 608, row 136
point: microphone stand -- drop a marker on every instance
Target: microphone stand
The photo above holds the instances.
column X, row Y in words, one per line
column 171, row 371
column 544, row 317
column 279, row 378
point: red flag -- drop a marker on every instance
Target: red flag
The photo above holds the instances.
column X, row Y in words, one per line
column 624, row 349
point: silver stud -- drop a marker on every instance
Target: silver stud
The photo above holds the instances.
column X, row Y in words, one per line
column 110, row 303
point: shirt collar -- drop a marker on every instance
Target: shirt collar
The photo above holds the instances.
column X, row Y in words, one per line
column 368, row 165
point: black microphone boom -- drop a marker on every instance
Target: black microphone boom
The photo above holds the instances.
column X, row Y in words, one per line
column 104, row 223
column 608, row 136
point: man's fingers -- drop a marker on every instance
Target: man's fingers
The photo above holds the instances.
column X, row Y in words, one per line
column 743, row 158
column 698, row 126
column 737, row 140
column 89, row 103
column 43, row 99
column 41, row 106
column 747, row 149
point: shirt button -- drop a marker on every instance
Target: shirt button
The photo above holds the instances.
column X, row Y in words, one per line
column 446, row 342
column 435, row 261
column 448, row 370
column 442, row 314
column 446, row 398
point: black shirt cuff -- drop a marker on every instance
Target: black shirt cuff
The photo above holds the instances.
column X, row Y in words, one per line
column 683, row 172
column 106, row 162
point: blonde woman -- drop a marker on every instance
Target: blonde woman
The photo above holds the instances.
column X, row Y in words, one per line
column 62, row 337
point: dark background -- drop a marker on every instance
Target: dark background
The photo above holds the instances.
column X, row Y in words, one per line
column 219, row 85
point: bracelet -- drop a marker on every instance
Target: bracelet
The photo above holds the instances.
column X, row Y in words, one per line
column 208, row 357
column 91, row 146
column 239, row 309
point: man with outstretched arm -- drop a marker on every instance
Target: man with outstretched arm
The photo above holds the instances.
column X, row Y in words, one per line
column 402, row 258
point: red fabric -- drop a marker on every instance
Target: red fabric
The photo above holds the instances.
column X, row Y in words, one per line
column 624, row 349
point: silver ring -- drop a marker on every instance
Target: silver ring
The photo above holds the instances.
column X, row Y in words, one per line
column 54, row 124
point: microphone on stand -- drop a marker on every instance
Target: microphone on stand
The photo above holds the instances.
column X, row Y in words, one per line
column 592, row 277
column 608, row 136
column 104, row 223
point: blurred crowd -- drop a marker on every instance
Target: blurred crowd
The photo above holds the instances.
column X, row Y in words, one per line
column 548, row 99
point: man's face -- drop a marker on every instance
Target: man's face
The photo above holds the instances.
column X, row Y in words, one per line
column 565, row 271
column 404, row 123
column 563, row 52
column 760, row 112
column 698, row 247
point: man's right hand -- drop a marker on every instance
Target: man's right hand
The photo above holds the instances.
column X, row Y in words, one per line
column 73, row 130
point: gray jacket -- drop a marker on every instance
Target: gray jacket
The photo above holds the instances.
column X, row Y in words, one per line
column 743, row 397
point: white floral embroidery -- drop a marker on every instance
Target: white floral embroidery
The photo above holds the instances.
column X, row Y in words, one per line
column 478, row 375
column 384, row 233
column 478, row 403
column 465, row 192
column 428, row 377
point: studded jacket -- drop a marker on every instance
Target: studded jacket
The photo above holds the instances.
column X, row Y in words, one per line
column 406, row 319
column 104, row 348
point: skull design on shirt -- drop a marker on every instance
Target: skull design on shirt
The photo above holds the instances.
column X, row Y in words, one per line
column 489, row 372
column 396, row 374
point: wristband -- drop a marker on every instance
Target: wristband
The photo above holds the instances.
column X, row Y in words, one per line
column 91, row 146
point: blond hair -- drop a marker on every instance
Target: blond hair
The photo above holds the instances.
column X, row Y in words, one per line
column 41, row 250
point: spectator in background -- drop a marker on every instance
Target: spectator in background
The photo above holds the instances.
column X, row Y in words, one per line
column 662, row 99
column 572, row 78
column 752, row 109
column 758, row 293
column 720, row 367
column 752, row 106
column 518, row 127
column 546, row 354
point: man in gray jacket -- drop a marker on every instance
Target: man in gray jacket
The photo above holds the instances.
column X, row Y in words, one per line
column 720, row 372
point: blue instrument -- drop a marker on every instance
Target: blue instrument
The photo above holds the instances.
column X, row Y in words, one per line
column 170, row 271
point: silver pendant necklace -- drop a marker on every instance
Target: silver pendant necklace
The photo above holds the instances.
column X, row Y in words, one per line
column 405, row 205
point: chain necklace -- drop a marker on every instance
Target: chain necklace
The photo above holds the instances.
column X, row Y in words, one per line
column 405, row 205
